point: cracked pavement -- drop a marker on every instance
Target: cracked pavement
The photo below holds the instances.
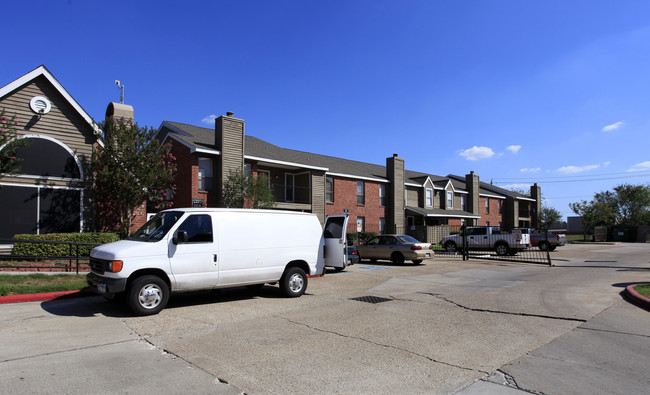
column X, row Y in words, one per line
column 447, row 327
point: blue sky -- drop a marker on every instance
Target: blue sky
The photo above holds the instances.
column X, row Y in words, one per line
column 553, row 92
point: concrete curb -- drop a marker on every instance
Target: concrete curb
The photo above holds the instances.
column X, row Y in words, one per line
column 42, row 297
column 636, row 298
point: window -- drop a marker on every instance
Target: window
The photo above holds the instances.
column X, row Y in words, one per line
column 248, row 168
column 205, row 174
column 487, row 205
column 429, row 198
column 361, row 193
column 329, row 190
column 289, row 187
column 361, row 224
column 463, row 202
column 382, row 225
column 382, row 194
column 198, row 228
column 450, row 200
column 500, row 206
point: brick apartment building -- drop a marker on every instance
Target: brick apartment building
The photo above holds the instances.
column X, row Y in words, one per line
column 378, row 198
column 50, row 193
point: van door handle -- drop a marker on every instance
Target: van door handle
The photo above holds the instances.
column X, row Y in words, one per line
column 214, row 258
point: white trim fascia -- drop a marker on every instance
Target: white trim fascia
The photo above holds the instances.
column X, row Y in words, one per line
column 205, row 151
column 452, row 186
column 412, row 184
column 41, row 70
column 492, row 196
column 281, row 162
column 41, row 186
column 41, row 178
column 359, row 177
column 192, row 148
column 525, row 198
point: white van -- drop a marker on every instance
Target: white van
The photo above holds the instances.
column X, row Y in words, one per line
column 192, row 249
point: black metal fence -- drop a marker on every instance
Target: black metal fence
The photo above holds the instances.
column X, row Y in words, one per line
column 71, row 262
column 482, row 242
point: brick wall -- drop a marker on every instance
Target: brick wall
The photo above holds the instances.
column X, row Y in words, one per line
column 187, row 178
column 345, row 197
column 493, row 217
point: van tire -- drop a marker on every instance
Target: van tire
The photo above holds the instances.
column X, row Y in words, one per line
column 147, row 295
column 293, row 282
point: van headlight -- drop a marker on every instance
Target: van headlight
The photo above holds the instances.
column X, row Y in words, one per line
column 114, row 266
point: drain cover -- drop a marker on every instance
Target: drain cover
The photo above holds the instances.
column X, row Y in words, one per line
column 371, row 299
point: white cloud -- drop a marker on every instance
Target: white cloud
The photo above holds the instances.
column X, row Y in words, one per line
column 530, row 170
column 643, row 166
column 576, row 169
column 612, row 127
column 607, row 163
column 476, row 153
column 209, row 119
column 513, row 148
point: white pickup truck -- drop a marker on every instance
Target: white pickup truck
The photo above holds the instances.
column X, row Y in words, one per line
column 487, row 238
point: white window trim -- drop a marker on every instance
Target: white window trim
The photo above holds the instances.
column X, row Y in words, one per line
column 428, row 197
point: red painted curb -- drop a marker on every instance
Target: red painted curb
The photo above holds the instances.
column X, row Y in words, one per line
column 642, row 300
column 42, row 296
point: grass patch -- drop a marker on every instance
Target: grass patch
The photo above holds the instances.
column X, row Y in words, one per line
column 643, row 290
column 40, row 283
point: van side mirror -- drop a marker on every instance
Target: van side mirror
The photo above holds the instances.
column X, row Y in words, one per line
column 180, row 237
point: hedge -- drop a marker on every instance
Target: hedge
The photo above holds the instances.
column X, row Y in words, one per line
column 31, row 249
column 362, row 237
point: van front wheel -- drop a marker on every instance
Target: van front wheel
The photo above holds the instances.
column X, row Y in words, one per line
column 148, row 295
column 294, row 282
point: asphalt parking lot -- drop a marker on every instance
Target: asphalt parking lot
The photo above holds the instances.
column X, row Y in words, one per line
column 447, row 326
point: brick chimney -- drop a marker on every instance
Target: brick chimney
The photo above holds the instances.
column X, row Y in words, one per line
column 472, row 184
column 395, row 220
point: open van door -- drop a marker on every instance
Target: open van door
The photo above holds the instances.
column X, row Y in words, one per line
column 334, row 243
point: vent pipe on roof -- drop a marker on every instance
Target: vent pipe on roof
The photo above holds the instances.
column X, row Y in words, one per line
column 230, row 114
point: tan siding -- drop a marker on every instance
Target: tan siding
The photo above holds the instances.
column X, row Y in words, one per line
column 62, row 122
column 412, row 197
column 318, row 194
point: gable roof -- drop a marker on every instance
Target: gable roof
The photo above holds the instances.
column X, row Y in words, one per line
column 200, row 139
column 43, row 71
column 486, row 189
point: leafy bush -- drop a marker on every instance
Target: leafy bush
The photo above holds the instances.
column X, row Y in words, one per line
column 455, row 232
column 35, row 249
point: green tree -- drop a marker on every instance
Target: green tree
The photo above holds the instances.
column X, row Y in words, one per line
column 592, row 213
column 132, row 168
column 243, row 191
column 632, row 204
column 9, row 143
column 548, row 216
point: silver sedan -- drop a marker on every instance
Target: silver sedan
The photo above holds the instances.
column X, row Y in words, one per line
column 396, row 248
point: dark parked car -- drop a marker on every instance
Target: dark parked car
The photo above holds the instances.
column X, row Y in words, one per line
column 353, row 255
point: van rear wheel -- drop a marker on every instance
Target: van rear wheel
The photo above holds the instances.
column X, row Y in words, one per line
column 147, row 295
column 294, row 282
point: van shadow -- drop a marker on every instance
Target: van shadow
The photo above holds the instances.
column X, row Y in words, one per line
column 91, row 306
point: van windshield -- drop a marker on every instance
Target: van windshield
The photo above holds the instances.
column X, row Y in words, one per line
column 157, row 227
